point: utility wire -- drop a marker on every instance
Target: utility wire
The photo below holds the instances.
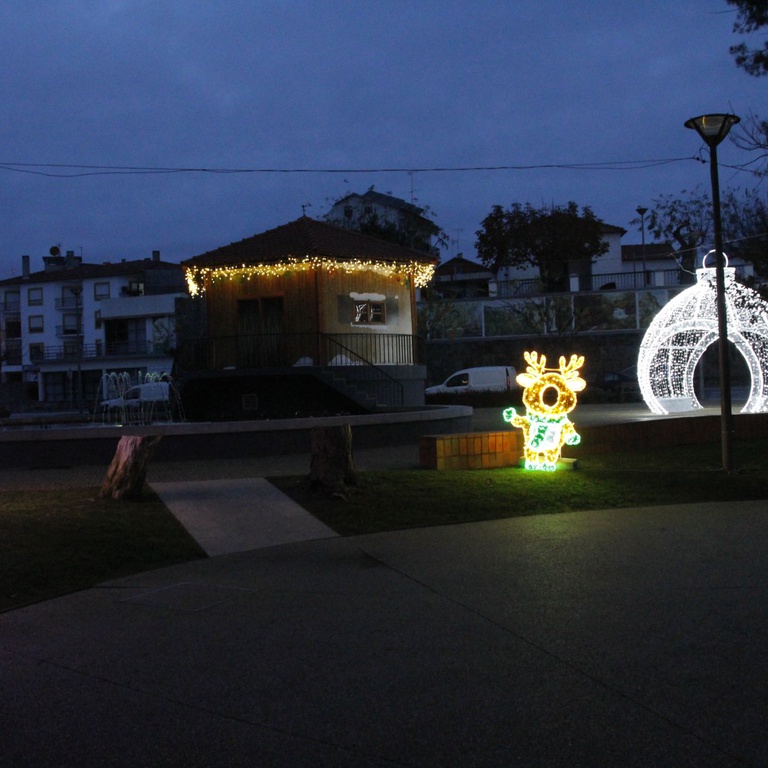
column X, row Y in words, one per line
column 71, row 170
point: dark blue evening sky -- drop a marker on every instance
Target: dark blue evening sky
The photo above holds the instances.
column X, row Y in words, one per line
column 336, row 84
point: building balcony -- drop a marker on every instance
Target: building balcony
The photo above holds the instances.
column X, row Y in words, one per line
column 69, row 303
column 12, row 352
column 100, row 350
column 64, row 331
column 138, row 305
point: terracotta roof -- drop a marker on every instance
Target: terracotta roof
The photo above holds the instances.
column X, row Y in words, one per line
column 90, row 271
column 306, row 237
column 458, row 265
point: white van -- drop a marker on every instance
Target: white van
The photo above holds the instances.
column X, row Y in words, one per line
column 494, row 378
column 153, row 392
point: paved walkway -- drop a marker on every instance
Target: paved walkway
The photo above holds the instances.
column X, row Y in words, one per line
column 635, row 637
column 630, row 638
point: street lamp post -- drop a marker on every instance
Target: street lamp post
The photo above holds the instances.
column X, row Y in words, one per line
column 713, row 129
column 642, row 211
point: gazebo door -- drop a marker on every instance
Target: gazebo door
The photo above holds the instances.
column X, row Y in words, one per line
column 260, row 332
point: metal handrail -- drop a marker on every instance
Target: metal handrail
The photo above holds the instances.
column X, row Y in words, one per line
column 118, row 349
column 387, row 385
column 332, row 351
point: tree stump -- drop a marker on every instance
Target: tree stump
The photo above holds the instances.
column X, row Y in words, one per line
column 128, row 470
column 332, row 463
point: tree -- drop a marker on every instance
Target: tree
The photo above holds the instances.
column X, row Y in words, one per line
column 746, row 227
column 752, row 135
column 552, row 238
column 752, row 16
column 332, row 465
column 128, row 470
column 685, row 221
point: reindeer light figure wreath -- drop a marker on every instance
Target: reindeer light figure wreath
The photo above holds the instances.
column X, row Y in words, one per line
column 549, row 395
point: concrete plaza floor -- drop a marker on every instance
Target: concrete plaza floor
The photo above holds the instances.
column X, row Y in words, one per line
column 634, row 637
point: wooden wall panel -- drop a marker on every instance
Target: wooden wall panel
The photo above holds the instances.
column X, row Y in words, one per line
column 297, row 291
column 336, row 290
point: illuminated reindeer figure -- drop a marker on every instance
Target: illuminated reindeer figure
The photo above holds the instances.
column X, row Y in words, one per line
column 549, row 395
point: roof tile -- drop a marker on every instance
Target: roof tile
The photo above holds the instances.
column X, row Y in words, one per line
column 306, row 237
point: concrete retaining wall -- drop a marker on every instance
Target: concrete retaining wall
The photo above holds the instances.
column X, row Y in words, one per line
column 95, row 445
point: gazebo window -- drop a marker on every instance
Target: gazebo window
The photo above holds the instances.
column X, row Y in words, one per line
column 369, row 313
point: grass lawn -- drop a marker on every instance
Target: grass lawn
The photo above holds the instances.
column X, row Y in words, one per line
column 54, row 542
column 416, row 498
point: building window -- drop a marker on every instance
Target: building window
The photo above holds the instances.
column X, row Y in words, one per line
column 34, row 296
column 36, row 324
column 71, row 324
column 12, row 301
column 369, row 313
column 97, row 319
column 70, row 296
column 100, row 291
column 127, row 336
column 36, row 353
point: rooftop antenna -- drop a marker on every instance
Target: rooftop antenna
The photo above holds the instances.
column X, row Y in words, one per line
column 304, row 208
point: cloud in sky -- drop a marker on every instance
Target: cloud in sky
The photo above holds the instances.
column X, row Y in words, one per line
column 300, row 84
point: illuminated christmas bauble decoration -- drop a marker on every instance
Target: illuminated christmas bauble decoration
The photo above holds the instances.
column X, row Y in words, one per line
column 683, row 330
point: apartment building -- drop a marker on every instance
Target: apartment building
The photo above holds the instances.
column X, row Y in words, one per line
column 65, row 326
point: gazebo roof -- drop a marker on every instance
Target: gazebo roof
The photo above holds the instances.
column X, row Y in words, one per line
column 305, row 237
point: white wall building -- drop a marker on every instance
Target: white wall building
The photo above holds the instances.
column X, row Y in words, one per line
column 355, row 211
column 65, row 326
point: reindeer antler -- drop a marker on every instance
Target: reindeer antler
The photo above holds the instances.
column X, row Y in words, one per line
column 536, row 365
column 571, row 369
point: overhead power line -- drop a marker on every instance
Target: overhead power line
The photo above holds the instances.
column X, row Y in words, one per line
column 72, row 170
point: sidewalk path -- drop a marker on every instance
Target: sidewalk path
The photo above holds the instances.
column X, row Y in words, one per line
column 239, row 514
column 630, row 638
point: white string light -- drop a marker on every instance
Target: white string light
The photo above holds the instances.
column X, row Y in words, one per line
column 683, row 330
column 420, row 272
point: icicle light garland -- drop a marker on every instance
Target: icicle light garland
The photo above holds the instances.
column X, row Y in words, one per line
column 682, row 331
column 420, row 272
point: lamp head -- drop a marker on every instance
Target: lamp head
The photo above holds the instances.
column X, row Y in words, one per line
column 712, row 128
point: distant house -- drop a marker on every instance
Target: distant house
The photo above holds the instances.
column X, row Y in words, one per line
column 461, row 278
column 375, row 213
column 64, row 327
column 310, row 296
column 578, row 275
column 660, row 263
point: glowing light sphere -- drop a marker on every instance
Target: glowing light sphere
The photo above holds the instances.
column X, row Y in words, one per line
column 549, row 394
column 686, row 326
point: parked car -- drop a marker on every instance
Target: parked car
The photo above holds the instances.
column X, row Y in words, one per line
column 496, row 378
column 154, row 392
column 619, row 384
